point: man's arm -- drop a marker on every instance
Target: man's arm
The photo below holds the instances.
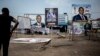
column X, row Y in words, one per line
column 15, row 26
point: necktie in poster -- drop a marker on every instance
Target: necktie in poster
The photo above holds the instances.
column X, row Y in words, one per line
column 83, row 18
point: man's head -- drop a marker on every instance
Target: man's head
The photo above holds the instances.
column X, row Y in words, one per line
column 38, row 18
column 51, row 11
column 5, row 11
column 81, row 10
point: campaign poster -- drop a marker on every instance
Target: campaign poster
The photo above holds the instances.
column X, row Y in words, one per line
column 96, row 24
column 87, row 8
column 51, row 15
column 78, row 27
column 24, row 22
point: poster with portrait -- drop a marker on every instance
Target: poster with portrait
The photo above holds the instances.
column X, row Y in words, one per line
column 51, row 15
column 78, row 27
column 87, row 9
column 96, row 24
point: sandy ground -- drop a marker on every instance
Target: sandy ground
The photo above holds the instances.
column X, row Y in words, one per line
column 80, row 46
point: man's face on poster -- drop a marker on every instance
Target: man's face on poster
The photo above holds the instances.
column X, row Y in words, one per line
column 39, row 19
column 51, row 10
column 81, row 11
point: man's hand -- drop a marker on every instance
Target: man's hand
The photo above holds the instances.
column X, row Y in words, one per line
column 11, row 34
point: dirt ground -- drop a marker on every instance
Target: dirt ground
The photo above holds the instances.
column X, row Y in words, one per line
column 80, row 46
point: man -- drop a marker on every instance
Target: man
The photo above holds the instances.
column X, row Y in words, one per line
column 80, row 16
column 87, row 27
column 5, row 31
column 39, row 25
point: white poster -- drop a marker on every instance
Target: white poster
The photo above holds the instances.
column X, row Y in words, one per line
column 96, row 24
column 78, row 27
column 24, row 23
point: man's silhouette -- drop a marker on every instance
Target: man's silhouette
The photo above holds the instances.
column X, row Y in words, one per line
column 5, row 30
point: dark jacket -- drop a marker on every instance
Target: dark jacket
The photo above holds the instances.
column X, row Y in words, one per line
column 42, row 24
column 78, row 17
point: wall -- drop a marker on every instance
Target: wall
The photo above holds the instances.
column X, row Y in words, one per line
column 19, row 7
